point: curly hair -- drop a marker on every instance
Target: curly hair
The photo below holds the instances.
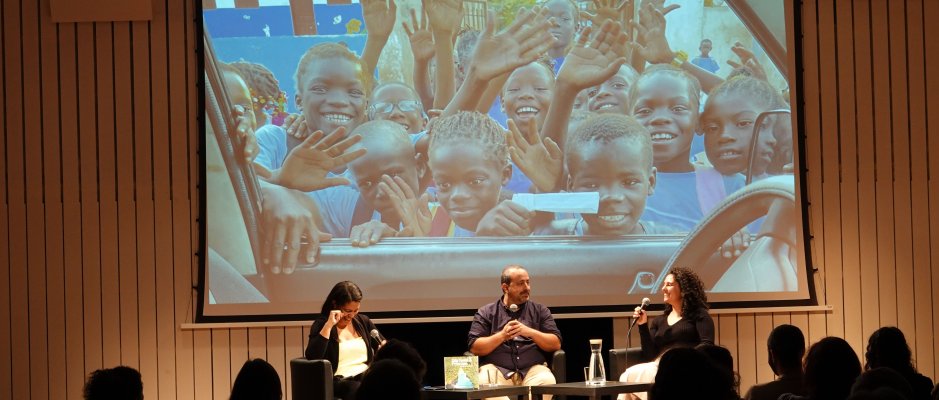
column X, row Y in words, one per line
column 887, row 347
column 693, row 298
column 470, row 127
column 260, row 80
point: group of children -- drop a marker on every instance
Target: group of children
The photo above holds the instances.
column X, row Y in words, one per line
column 378, row 162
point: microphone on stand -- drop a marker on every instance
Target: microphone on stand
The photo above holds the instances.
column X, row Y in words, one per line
column 642, row 307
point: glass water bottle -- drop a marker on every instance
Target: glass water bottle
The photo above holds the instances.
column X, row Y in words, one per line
column 596, row 373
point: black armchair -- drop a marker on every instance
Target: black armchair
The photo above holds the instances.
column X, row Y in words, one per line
column 311, row 379
column 623, row 358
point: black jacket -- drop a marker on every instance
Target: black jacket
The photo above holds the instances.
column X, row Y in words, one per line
column 321, row 348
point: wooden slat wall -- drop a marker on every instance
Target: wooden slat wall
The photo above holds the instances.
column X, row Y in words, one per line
column 99, row 169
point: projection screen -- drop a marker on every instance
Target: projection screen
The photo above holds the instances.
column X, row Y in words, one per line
column 735, row 219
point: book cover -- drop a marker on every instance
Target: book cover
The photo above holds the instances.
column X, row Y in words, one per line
column 461, row 372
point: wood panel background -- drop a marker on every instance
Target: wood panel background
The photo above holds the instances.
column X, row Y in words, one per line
column 99, row 182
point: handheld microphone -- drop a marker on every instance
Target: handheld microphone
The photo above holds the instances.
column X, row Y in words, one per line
column 377, row 336
column 642, row 307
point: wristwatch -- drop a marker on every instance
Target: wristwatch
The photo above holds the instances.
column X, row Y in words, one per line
column 681, row 57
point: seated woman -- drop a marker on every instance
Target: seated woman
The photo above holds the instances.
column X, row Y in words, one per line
column 341, row 335
column 685, row 323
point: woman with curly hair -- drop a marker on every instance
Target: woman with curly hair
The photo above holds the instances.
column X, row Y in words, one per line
column 684, row 323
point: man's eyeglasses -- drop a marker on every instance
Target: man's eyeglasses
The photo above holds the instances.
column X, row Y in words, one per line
column 386, row 108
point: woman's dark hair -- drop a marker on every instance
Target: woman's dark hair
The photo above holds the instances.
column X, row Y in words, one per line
column 693, row 299
column 342, row 293
column 831, row 367
column 887, row 347
column 257, row 380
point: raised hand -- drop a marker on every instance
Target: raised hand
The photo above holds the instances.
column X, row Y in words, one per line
column 521, row 43
column 607, row 10
column 370, row 233
column 660, row 5
column 446, row 16
column 591, row 63
column 542, row 161
column 288, row 228
column 307, row 164
column 747, row 62
column 422, row 40
column 379, row 16
column 651, row 28
column 508, row 218
column 413, row 211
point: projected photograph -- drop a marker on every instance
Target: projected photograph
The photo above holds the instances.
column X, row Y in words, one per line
column 418, row 149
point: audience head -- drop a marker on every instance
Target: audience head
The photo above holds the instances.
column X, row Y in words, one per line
column 831, row 366
column 882, row 378
column 786, row 345
column 257, row 380
column 690, row 292
column 389, row 379
column 887, row 347
column 118, row 383
column 686, row 373
column 720, row 356
column 402, row 351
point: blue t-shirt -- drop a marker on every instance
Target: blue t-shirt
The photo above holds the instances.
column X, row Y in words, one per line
column 706, row 63
column 272, row 141
column 675, row 201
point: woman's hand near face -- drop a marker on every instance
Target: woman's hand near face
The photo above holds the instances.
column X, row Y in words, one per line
column 331, row 320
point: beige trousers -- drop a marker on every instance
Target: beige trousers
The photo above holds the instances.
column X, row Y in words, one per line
column 537, row 375
column 644, row 372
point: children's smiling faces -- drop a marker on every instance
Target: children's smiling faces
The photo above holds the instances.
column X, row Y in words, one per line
column 469, row 163
column 727, row 123
column 397, row 102
column 665, row 100
column 331, row 88
column 527, row 93
column 613, row 95
column 612, row 154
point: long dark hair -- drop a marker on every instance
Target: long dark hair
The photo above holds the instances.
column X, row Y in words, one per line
column 342, row 293
column 693, row 298
column 887, row 347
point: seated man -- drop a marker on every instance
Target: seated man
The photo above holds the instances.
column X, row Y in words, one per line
column 512, row 335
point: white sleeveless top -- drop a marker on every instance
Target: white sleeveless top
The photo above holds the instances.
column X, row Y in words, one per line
column 353, row 355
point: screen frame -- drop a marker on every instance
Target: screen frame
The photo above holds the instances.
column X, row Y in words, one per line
column 793, row 59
